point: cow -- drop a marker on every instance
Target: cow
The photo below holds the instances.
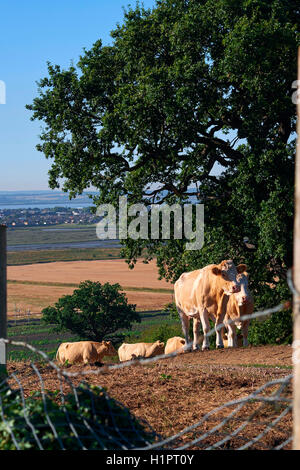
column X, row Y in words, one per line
column 225, row 339
column 202, row 295
column 84, row 352
column 175, row 344
column 239, row 305
column 127, row 352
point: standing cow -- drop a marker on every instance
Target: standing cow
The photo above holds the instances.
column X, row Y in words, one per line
column 202, row 295
column 239, row 305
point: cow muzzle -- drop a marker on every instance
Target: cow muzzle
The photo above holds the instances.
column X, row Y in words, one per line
column 236, row 289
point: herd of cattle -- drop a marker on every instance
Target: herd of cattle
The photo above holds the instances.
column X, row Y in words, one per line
column 216, row 292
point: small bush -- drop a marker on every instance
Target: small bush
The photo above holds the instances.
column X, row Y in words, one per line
column 94, row 311
column 277, row 329
column 97, row 419
column 171, row 309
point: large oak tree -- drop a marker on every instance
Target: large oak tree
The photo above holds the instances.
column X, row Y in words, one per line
column 183, row 89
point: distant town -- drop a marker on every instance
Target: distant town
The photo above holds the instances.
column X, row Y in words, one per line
column 47, row 216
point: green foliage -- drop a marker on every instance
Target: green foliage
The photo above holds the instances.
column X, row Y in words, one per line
column 185, row 88
column 94, row 311
column 92, row 406
column 165, row 377
column 157, row 333
column 171, row 309
column 276, row 329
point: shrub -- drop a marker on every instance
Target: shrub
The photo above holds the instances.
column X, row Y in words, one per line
column 278, row 328
column 96, row 417
column 94, row 311
column 171, row 309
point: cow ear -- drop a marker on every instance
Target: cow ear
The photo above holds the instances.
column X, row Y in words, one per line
column 241, row 268
column 216, row 271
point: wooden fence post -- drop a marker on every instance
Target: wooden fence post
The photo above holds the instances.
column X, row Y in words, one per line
column 3, row 298
column 296, row 279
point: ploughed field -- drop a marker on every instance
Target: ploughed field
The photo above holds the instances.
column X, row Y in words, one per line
column 174, row 393
column 35, row 286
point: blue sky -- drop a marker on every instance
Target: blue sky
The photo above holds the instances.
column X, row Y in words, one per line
column 32, row 33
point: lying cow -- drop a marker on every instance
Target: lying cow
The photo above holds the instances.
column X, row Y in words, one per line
column 175, row 344
column 239, row 305
column 84, row 352
column 202, row 295
column 127, row 352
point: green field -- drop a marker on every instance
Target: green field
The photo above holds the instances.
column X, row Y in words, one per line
column 51, row 234
column 44, row 338
column 15, row 258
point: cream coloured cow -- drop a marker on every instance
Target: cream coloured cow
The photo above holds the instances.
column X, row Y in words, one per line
column 225, row 340
column 175, row 344
column 202, row 295
column 127, row 352
column 84, row 352
column 239, row 305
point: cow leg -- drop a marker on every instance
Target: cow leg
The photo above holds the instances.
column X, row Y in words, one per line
column 222, row 307
column 196, row 325
column 206, row 328
column 245, row 327
column 219, row 339
column 185, row 324
column 232, row 338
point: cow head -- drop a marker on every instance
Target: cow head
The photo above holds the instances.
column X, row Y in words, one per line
column 110, row 350
column 227, row 272
column 159, row 348
column 244, row 296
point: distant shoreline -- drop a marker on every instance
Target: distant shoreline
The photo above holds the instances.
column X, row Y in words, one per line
column 43, row 199
column 73, row 205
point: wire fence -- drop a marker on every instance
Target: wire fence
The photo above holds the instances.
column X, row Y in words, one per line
column 85, row 417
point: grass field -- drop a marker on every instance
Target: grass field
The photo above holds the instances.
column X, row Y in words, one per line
column 18, row 258
column 52, row 234
column 42, row 237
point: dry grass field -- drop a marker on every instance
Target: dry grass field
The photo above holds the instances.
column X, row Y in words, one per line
column 40, row 285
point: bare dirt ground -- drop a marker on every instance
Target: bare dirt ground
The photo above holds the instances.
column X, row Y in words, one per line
column 37, row 297
column 174, row 393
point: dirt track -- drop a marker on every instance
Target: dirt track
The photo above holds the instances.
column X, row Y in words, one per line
column 177, row 392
